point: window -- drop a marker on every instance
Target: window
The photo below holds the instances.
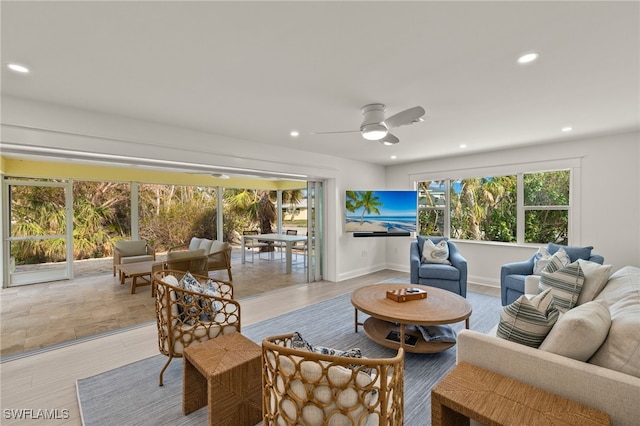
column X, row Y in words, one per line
column 488, row 208
column 432, row 207
column 546, row 207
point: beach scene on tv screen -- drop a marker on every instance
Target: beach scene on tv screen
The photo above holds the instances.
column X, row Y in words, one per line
column 381, row 211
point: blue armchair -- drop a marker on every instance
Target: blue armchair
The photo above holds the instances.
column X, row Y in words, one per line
column 512, row 275
column 448, row 277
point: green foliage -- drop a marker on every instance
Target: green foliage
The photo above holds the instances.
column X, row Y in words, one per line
column 486, row 208
column 366, row 200
column 169, row 216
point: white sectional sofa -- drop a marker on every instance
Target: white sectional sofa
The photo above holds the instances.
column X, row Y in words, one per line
column 609, row 380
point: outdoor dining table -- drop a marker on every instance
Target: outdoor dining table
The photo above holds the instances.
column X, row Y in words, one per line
column 289, row 241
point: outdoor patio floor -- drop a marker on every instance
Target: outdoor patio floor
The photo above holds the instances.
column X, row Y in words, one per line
column 37, row 316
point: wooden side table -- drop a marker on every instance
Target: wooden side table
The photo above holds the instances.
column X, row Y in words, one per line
column 471, row 392
column 226, row 373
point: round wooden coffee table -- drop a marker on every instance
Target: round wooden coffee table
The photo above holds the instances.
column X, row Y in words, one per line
column 440, row 307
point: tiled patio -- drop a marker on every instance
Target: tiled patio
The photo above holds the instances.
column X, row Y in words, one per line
column 40, row 315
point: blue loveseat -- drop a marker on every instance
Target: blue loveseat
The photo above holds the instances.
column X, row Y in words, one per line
column 512, row 275
column 448, row 277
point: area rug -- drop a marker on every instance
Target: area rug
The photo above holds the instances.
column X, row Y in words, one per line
column 130, row 394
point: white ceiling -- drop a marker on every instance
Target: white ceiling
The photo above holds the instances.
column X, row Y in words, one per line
column 257, row 70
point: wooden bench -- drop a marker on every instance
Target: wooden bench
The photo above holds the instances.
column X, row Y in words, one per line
column 471, row 392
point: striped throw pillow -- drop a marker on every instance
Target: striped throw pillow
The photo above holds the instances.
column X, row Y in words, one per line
column 528, row 321
column 566, row 284
column 558, row 260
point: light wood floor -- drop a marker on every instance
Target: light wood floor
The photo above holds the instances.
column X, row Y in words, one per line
column 47, row 380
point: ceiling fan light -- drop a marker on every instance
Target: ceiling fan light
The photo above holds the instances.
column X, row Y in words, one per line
column 374, row 131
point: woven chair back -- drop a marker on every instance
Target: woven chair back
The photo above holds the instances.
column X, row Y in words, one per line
column 186, row 317
column 302, row 387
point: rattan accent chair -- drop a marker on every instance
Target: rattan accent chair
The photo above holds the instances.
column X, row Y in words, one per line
column 185, row 317
column 308, row 388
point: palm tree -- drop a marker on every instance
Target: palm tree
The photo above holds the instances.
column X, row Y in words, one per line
column 257, row 205
column 292, row 198
column 478, row 198
column 369, row 203
column 266, row 213
column 243, row 201
column 352, row 201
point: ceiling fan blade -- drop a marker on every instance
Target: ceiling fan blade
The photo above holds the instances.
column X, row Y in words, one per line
column 389, row 140
column 402, row 118
column 339, row 131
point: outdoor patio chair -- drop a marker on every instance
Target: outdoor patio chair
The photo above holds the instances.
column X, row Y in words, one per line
column 194, row 261
column 185, row 317
column 281, row 245
column 131, row 251
column 253, row 244
column 310, row 388
column 302, row 247
column 218, row 253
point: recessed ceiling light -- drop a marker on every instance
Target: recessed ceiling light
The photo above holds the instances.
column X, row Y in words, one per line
column 528, row 58
column 393, row 157
column 567, row 129
column 294, row 133
column 18, row 68
column 463, row 146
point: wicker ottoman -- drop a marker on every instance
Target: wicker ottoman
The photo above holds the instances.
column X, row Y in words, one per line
column 226, row 373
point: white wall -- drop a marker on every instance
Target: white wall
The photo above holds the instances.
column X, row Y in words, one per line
column 54, row 126
column 358, row 256
column 610, row 199
column 609, row 205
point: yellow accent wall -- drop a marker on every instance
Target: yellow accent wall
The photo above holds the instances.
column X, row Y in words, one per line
column 69, row 170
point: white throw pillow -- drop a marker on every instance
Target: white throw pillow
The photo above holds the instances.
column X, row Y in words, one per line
column 171, row 280
column 435, row 253
column 194, row 244
column 528, row 321
column 621, row 349
column 595, row 278
column 541, row 260
column 206, row 245
column 579, row 333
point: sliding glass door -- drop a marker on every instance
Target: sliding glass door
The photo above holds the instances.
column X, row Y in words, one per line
column 38, row 245
column 314, row 230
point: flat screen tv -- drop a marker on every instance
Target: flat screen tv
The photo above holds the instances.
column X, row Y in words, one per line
column 385, row 213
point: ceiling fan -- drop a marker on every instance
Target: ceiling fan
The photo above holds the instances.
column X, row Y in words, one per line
column 375, row 127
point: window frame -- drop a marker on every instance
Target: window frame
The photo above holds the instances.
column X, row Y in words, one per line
column 519, row 170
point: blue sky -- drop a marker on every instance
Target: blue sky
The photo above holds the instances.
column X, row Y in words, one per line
column 395, row 203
